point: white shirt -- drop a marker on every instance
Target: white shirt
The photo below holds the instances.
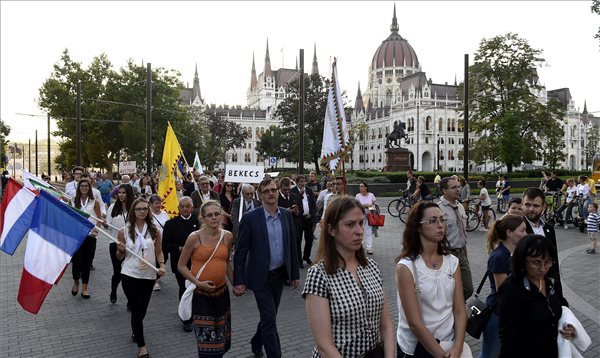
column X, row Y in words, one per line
column 583, row 190
column 71, row 189
column 118, row 221
column 160, row 220
column 305, row 207
column 571, row 192
column 487, row 201
column 98, row 198
column 134, row 267
column 435, row 298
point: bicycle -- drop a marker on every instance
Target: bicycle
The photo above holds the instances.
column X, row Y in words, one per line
column 552, row 215
column 404, row 211
column 396, row 205
column 475, row 216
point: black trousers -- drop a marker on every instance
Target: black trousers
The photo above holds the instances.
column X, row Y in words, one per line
column 138, row 292
column 116, row 265
column 267, row 300
column 81, row 262
column 306, row 230
column 179, row 277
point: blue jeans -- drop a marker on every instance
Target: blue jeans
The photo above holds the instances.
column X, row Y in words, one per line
column 490, row 346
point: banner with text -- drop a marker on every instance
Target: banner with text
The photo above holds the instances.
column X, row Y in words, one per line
column 244, row 173
column 127, row 167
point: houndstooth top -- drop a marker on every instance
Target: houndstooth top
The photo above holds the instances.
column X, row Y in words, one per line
column 355, row 308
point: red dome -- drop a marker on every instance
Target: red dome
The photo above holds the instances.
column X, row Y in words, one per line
column 395, row 50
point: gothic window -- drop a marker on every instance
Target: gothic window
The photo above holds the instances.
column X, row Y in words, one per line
column 249, row 132
column 440, row 125
column 373, row 158
column 262, row 131
column 379, row 133
column 379, row 157
column 427, row 123
column 257, row 133
column 234, row 157
column 441, row 154
column 451, row 154
column 426, row 140
column 372, row 133
column 388, row 95
column 453, row 125
column 461, row 125
column 448, row 126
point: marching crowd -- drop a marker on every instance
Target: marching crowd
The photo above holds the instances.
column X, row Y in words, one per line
column 251, row 235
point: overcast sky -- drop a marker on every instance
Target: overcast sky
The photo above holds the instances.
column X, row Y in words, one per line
column 222, row 36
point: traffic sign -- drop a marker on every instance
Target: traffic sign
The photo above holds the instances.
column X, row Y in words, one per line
column 272, row 160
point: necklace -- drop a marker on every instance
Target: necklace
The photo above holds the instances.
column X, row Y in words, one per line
column 541, row 285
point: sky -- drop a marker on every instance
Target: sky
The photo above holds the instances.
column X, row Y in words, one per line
column 221, row 38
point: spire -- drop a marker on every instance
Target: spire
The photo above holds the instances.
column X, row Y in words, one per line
column 267, row 70
column 253, row 80
column 585, row 112
column 358, row 104
column 296, row 63
column 455, row 80
column 394, row 26
column 196, row 89
column 315, row 65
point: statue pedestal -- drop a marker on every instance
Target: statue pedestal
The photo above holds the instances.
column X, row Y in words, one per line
column 397, row 160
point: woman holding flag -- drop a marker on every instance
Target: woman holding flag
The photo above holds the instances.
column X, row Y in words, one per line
column 140, row 236
column 117, row 217
column 82, row 259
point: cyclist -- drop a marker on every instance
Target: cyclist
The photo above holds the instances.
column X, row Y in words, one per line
column 583, row 190
column 569, row 202
column 422, row 192
column 485, row 202
column 436, row 185
column 501, row 203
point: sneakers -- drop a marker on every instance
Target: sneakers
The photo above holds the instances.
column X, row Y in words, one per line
column 370, row 252
column 566, row 227
column 483, row 229
column 156, row 287
column 590, row 251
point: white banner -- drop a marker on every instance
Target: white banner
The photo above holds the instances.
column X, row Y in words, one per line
column 244, row 173
column 127, row 167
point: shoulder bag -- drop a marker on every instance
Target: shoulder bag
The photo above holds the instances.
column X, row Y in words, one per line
column 185, row 303
column 420, row 351
column 478, row 313
column 374, row 217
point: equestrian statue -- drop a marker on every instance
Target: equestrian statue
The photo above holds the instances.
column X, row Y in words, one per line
column 393, row 140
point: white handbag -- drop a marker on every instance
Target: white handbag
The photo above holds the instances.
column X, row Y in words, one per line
column 185, row 303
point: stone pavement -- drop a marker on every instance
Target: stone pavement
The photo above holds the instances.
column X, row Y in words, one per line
column 70, row 326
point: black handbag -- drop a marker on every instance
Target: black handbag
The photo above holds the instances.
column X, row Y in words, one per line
column 376, row 352
column 478, row 313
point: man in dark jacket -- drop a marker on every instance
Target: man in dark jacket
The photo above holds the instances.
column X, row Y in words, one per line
column 308, row 214
column 175, row 234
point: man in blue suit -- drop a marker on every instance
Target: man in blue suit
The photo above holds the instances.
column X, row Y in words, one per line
column 265, row 257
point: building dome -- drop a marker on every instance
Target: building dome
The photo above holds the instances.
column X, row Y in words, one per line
column 395, row 51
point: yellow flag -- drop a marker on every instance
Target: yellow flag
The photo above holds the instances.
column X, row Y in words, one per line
column 166, row 186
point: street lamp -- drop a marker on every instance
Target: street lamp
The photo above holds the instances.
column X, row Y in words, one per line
column 273, row 146
column 437, row 167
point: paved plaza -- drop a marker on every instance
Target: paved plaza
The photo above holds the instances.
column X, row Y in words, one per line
column 70, row 326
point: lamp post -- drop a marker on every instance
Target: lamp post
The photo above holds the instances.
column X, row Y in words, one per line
column 273, row 146
column 437, row 163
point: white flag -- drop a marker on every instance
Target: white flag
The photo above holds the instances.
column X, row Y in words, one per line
column 336, row 139
column 197, row 164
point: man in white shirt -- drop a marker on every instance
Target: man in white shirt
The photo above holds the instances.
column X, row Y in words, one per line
column 485, row 202
column 71, row 187
column 569, row 202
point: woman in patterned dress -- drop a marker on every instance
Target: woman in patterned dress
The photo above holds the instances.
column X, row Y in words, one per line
column 211, row 307
column 346, row 305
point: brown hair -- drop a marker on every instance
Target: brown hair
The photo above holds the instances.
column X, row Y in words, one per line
column 149, row 221
column 264, row 183
column 498, row 230
column 411, row 239
column 203, row 207
column 90, row 194
column 327, row 252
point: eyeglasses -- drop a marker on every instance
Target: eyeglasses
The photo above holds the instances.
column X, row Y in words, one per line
column 433, row 221
column 541, row 263
column 267, row 191
column 141, row 209
column 216, row 214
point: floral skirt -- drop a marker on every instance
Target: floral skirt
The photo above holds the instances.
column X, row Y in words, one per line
column 211, row 317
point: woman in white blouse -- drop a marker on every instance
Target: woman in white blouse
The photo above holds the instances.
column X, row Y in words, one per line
column 117, row 217
column 430, row 294
column 159, row 217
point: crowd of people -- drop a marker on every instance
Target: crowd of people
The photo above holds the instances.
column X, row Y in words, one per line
column 252, row 234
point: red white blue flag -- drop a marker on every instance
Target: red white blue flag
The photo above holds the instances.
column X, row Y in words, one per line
column 16, row 213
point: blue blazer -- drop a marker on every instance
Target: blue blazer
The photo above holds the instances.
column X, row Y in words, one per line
column 252, row 253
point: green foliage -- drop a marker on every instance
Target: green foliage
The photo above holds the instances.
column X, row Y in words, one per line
column 272, row 145
column 593, row 145
column 596, row 9
column 113, row 110
column 504, row 109
column 4, row 132
column 315, row 103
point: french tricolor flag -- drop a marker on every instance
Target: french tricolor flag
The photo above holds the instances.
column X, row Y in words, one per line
column 55, row 234
column 16, row 213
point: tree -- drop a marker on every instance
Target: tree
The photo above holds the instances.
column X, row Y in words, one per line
column 503, row 86
column 272, row 145
column 113, row 110
column 357, row 132
column 315, row 103
column 593, row 145
column 217, row 135
column 4, row 132
column 596, row 9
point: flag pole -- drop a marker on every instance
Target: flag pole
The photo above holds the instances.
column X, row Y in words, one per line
column 152, row 266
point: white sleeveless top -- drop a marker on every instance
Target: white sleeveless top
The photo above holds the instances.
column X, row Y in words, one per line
column 119, row 221
column 134, row 267
column 87, row 206
column 436, row 298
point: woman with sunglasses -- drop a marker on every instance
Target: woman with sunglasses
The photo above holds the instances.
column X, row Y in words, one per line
column 226, row 197
column 209, row 249
column 82, row 259
column 430, row 293
column 140, row 236
column 529, row 305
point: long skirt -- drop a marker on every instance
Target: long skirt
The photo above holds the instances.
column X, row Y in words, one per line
column 212, row 323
